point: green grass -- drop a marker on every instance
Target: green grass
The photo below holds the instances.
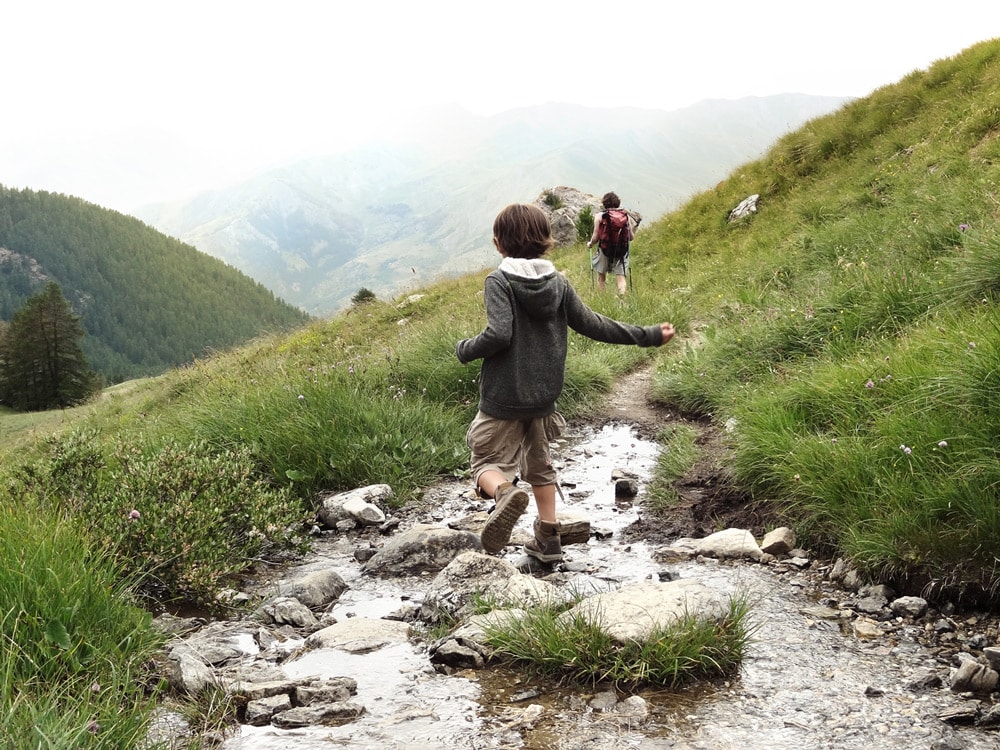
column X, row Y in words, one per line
column 548, row 642
column 76, row 648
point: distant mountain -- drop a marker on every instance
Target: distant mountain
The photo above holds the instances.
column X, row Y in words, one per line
column 147, row 302
column 396, row 216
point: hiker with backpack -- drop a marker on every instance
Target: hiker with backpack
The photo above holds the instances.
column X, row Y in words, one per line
column 612, row 235
column 530, row 308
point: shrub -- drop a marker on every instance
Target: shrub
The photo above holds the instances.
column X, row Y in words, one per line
column 585, row 224
column 179, row 518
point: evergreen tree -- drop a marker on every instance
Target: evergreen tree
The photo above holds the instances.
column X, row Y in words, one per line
column 42, row 364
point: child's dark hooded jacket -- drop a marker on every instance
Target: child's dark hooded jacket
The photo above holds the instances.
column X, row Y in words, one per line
column 529, row 309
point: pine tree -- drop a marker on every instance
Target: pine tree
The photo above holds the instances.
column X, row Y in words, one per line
column 42, row 364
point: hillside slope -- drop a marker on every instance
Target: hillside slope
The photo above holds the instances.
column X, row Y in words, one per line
column 147, row 302
column 392, row 217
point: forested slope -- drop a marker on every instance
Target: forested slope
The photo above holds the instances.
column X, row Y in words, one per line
column 147, row 302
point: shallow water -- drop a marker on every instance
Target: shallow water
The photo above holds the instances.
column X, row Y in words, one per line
column 805, row 683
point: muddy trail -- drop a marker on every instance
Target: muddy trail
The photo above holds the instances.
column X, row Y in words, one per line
column 809, row 680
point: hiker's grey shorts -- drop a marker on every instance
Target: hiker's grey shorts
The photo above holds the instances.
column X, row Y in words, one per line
column 514, row 447
column 602, row 264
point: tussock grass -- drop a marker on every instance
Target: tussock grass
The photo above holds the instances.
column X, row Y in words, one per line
column 545, row 642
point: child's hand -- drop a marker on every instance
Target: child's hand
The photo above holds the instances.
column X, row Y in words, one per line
column 668, row 332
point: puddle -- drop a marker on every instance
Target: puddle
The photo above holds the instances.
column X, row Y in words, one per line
column 804, row 683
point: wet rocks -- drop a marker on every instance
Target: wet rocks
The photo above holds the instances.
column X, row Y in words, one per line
column 421, row 549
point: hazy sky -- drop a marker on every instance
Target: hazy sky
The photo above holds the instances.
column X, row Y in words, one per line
column 244, row 82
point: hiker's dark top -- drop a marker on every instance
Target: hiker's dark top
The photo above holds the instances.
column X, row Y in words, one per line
column 529, row 309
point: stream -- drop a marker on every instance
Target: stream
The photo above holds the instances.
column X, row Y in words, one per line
column 807, row 682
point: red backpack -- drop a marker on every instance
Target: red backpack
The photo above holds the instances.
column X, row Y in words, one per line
column 612, row 234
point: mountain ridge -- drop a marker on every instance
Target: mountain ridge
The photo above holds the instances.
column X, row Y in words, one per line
column 392, row 216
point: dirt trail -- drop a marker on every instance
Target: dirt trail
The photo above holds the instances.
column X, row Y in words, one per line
column 708, row 498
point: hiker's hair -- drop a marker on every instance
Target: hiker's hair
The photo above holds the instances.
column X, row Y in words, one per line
column 523, row 231
column 610, row 200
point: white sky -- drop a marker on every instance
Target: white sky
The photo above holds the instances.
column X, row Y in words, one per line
column 252, row 81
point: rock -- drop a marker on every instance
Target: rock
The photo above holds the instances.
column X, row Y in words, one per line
column 421, row 549
column 335, row 690
column 455, row 654
column 778, row 541
column 626, row 488
column 747, row 207
column 360, row 635
column 187, row 672
column 973, row 677
column 259, row 712
column 866, row 628
column 564, row 215
column 730, row 543
column 909, row 606
column 992, row 654
column 929, row 681
column 328, row 713
column 286, row 610
column 473, row 574
column 359, row 506
column 633, row 613
column 315, row 590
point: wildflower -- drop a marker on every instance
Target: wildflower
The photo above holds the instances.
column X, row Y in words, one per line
column 906, row 449
column 797, row 478
column 301, row 397
column 93, row 727
column 134, row 515
column 834, row 441
column 95, row 687
column 963, row 227
column 870, row 384
column 350, row 370
column 972, row 344
column 943, row 444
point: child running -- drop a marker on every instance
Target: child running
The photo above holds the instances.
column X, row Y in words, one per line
column 529, row 308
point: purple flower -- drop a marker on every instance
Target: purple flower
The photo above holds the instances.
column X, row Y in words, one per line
column 93, row 727
column 963, row 227
column 943, row 444
column 906, row 449
column 972, row 344
column 869, row 384
column 134, row 515
column 95, row 687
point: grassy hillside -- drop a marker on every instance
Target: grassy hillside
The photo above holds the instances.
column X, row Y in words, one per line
column 849, row 328
column 146, row 301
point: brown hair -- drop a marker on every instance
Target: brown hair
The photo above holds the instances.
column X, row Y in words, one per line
column 610, row 200
column 523, row 231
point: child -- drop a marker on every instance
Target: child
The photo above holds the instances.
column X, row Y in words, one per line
column 529, row 309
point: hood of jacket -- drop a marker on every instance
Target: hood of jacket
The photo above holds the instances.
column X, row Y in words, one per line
column 535, row 283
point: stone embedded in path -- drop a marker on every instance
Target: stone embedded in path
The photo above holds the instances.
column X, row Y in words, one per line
column 633, row 613
column 360, row 635
column 360, row 507
column 475, row 574
column 779, row 541
column 315, row 590
column 422, row 549
column 730, row 543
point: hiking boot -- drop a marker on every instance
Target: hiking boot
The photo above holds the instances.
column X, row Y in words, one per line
column 511, row 502
column 546, row 547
